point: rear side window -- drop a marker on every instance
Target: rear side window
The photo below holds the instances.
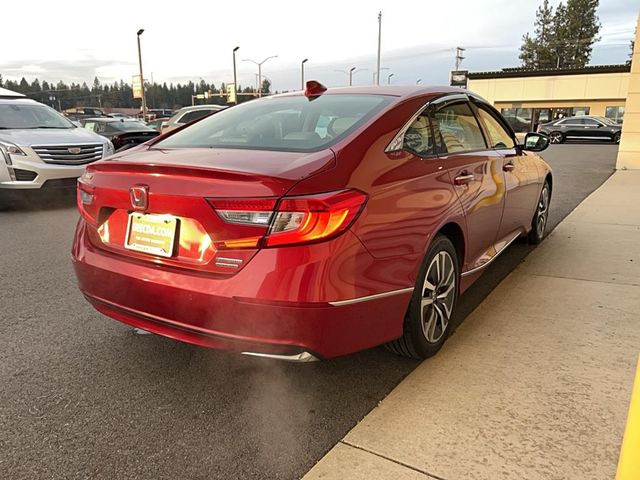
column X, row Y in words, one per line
column 457, row 130
column 295, row 123
column 498, row 136
column 418, row 138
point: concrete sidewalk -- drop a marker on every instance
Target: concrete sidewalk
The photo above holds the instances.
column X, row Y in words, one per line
column 535, row 384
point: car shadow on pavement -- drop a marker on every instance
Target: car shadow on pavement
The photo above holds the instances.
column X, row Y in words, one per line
column 43, row 199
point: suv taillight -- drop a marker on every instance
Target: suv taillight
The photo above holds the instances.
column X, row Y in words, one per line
column 294, row 220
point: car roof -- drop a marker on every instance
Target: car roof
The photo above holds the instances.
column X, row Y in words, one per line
column 391, row 90
column 10, row 94
column 18, row 101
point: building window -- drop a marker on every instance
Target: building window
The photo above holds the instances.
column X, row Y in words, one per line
column 615, row 113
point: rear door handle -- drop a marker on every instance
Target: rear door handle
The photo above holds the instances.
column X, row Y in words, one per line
column 463, row 179
column 508, row 167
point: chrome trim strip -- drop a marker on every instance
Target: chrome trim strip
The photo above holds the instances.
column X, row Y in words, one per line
column 303, row 357
column 370, row 297
column 469, row 272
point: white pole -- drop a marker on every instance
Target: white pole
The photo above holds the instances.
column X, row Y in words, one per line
column 379, row 44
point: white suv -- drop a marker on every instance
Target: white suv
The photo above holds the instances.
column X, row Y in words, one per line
column 39, row 146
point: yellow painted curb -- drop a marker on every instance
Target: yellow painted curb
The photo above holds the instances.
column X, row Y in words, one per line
column 629, row 463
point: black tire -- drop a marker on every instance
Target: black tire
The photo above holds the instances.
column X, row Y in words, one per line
column 541, row 216
column 556, row 137
column 414, row 342
column 616, row 137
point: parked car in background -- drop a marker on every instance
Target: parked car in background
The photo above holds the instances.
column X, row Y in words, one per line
column 40, row 147
column 123, row 134
column 189, row 114
column 311, row 225
column 158, row 123
column 119, row 115
column 585, row 127
column 78, row 113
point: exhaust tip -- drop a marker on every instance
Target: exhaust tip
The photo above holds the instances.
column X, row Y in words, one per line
column 298, row 358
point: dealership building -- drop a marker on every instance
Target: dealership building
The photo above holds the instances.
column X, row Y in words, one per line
column 528, row 98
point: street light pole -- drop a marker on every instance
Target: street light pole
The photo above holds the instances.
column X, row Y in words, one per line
column 302, row 69
column 418, row 81
column 144, row 100
column 379, row 43
column 351, row 75
column 389, row 78
column 235, row 76
column 259, row 70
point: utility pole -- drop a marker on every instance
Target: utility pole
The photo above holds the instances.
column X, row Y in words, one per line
column 459, row 57
column 144, row 100
column 379, row 44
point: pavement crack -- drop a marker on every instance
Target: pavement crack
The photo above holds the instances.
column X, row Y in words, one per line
column 430, row 475
column 582, row 279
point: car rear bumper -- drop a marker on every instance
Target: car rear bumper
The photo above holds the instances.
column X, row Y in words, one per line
column 256, row 311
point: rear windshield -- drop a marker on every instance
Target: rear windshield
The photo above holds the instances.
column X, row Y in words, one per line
column 129, row 126
column 294, row 124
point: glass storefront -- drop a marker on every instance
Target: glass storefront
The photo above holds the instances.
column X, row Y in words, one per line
column 615, row 113
column 529, row 119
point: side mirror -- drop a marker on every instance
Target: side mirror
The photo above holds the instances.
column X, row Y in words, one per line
column 535, row 142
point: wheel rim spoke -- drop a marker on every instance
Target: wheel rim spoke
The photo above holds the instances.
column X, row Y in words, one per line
column 438, row 296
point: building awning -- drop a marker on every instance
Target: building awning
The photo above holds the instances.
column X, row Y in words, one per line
column 519, row 72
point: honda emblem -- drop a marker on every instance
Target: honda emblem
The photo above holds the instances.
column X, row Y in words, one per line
column 139, row 196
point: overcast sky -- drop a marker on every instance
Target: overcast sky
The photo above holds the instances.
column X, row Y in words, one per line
column 78, row 40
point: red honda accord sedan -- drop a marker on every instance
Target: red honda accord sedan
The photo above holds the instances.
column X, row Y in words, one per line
column 311, row 224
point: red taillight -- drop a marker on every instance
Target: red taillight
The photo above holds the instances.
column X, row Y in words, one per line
column 85, row 200
column 296, row 220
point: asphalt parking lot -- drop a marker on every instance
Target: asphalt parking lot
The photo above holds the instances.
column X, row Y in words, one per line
column 83, row 397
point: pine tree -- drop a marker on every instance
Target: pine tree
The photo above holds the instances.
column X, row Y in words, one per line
column 581, row 28
column 564, row 38
column 536, row 51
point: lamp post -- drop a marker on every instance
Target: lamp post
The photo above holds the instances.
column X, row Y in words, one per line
column 302, row 70
column 376, row 73
column 259, row 64
column 235, row 76
column 389, row 78
column 351, row 70
column 144, row 100
column 418, row 81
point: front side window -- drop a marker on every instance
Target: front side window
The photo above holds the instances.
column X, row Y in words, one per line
column 418, row 138
column 294, row 123
column 457, row 130
column 498, row 136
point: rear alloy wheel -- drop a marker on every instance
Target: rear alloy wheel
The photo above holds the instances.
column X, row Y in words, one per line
column 428, row 319
column 556, row 137
column 616, row 138
column 539, row 222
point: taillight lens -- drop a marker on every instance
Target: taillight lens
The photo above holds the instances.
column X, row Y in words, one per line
column 314, row 218
column 297, row 220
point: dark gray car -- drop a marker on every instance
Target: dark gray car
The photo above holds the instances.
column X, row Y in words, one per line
column 584, row 127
